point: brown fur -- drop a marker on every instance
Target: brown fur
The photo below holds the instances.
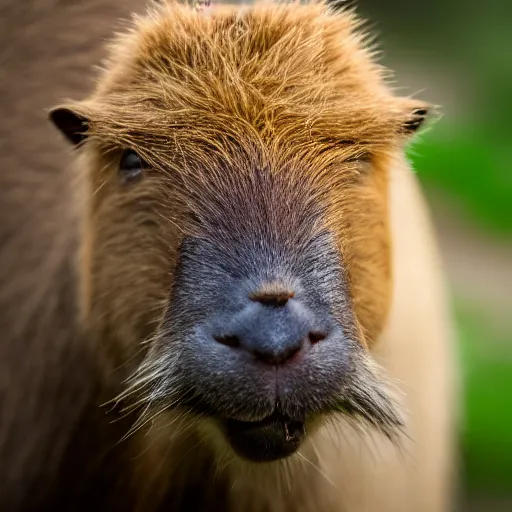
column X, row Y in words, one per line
column 54, row 438
column 161, row 76
column 189, row 91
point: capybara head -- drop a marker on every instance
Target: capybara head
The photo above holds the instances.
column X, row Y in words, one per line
column 236, row 179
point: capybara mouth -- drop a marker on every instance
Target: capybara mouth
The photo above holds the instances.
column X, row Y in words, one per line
column 272, row 438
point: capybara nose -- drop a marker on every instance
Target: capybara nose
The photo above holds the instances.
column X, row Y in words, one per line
column 275, row 328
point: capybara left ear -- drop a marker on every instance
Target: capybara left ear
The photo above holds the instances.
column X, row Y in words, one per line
column 71, row 122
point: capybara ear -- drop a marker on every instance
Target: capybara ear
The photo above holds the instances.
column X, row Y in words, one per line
column 415, row 115
column 72, row 121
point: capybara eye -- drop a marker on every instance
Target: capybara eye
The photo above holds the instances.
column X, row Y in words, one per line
column 131, row 166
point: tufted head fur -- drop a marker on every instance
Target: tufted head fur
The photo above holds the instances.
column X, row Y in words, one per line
column 263, row 135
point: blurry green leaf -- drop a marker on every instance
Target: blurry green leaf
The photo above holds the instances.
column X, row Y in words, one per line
column 474, row 170
column 487, row 372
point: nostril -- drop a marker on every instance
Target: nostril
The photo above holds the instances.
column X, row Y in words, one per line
column 316, row 336
column 230, row 341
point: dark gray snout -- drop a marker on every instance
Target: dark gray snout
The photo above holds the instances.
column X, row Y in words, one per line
column 274, row 328
column 260, row 335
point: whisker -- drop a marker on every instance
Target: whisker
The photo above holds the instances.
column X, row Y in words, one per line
column 318, row 469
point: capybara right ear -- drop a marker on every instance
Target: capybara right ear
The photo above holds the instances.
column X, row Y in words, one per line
column 71, row 122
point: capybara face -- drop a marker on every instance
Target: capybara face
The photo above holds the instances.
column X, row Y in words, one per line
column 237, row 222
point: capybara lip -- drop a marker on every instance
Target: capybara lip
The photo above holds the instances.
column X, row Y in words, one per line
column 272, row 438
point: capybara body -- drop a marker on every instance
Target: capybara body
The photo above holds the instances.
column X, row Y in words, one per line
column 228, row 296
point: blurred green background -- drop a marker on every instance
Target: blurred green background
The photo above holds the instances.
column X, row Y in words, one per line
column 458, row 54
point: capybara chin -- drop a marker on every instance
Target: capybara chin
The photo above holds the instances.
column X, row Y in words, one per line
column 256, row 267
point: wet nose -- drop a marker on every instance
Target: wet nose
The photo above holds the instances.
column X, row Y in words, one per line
column 274, row 328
